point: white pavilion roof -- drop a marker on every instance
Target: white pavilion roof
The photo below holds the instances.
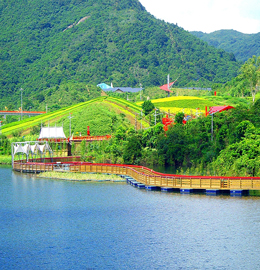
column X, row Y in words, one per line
column 52, row 133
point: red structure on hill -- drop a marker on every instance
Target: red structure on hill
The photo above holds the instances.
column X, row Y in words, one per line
column 215, row 109
column 166, row 88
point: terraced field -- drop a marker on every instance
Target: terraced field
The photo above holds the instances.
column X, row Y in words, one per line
column 192, row 104
column 102, row 115
column 186, row 104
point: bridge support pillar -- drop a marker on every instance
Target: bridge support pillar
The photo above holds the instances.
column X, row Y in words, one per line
column 141, row 185
column 186, row 190
column 167, row 189
column 69, row 149
column 239, row 192
column 129, row 179
column 212, row 192
column 152, row 188
column 134, row 183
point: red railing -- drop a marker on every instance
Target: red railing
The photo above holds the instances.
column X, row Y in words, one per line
column 75, row 161
column 19, row 112
column 90, row 138
column 77, row 139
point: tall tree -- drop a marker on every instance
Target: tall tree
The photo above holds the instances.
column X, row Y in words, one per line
column 251, row 72
column 147, row 106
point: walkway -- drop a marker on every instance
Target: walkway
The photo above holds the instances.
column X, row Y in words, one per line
column 141, row 174
column 20, row 113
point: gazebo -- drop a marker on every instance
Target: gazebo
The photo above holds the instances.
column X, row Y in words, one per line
column 30, row 148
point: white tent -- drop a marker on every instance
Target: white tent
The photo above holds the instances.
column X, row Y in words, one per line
column 30, row 148
column 18, row 149
column 52, row 133
column 33, row 148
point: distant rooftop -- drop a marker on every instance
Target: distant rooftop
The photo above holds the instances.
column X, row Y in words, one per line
column 196, row 88
column 108, row 88
column 123, row 89
column 104, row 86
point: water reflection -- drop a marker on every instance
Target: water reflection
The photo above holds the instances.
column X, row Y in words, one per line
column 49, row 224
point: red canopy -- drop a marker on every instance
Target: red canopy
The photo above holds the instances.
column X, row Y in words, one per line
column 215, row 109
column 165, row 87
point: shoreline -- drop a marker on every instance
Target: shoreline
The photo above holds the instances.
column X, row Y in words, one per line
column 82, row 177
column 5, row 160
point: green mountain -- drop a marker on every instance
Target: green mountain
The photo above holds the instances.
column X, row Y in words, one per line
column 243, row 46
column 48, row 46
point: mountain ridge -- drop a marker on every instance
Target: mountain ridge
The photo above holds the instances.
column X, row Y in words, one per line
column 243, row 46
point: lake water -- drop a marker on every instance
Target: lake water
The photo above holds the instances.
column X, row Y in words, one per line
column 51, row 224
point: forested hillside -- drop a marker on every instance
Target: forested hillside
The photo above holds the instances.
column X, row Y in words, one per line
column 47, row 44
column 243, row 46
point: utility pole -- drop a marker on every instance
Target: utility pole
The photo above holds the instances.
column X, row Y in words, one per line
column 155, row 116
column 70, row 122
column 168, row 82
column 212, row 127
column 141, row 119
column 21, row 89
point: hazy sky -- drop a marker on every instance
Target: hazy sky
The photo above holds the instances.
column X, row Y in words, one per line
column 208, row 15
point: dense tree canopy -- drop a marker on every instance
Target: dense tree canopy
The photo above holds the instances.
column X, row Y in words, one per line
column 48, row 44
column 251, row 71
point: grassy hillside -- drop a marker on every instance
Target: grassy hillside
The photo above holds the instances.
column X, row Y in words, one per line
column 48, row 46
column 103, row 115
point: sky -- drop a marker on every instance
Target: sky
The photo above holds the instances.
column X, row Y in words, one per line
column 208, row 15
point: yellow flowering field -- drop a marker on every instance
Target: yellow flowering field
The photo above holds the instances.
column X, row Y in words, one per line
column 174, row 110
column 175, row 98
column 187, row 104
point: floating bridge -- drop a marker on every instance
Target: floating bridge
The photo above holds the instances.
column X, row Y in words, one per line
column 144, row 177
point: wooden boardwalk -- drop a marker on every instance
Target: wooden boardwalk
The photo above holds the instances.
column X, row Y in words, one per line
column 141, row 174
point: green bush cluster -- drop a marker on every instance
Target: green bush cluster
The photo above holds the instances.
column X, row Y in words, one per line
column 189, row 148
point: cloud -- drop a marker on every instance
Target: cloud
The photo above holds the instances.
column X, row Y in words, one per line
column 208, row 15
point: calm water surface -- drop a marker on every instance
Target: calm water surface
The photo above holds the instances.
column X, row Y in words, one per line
column 48, row 224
